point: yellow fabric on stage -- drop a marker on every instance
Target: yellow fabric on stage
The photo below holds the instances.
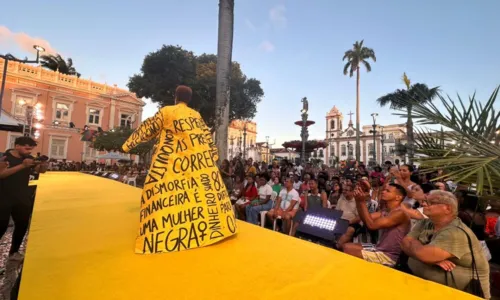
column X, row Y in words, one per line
column 81, row 246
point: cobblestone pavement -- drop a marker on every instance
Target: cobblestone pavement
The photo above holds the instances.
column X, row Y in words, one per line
column 9, row 269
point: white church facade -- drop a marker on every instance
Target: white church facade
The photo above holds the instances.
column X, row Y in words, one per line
column 341, row 140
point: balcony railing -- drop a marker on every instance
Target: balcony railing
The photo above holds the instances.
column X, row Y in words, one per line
column 39, row 73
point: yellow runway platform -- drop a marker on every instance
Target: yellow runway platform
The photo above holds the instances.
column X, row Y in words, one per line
column 81, row 246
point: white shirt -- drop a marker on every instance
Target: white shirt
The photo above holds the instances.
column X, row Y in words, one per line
column 264, row 191
column 296, row 185
column 287, row 197
column 348, row 208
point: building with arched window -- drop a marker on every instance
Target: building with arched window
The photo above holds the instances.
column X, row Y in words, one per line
column 67, row 104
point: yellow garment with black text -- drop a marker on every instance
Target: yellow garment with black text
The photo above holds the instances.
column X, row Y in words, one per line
column 184, row 203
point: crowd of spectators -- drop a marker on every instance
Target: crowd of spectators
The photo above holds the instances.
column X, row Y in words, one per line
column 419, row 223
column 127, row 171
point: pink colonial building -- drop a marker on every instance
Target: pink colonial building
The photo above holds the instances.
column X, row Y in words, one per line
column 66, row 104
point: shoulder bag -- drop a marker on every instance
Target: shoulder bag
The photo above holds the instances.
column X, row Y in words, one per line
column 474, row 286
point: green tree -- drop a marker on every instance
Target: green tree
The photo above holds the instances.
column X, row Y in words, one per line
column 57, row 63
column 357, row 56
column 114, row 139
column 223, row 75
column 404, row 100
column 163, row 70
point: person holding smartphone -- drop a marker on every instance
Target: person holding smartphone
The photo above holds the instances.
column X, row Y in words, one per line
column 17, row 196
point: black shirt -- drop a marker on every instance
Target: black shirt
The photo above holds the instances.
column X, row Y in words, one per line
column 16, row 185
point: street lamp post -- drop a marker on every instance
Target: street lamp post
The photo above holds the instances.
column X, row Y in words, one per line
column 269, row 145
column 244, row 140
column 232, row 138
column 267, row 150
column 374, row 131
column 382, row 140
column 8, row 57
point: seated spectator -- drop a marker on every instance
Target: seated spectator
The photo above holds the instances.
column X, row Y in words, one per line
column 273, row 176
column 425, row 183
column 497, row 227
column 335, row 195
column 315, row 198
column 394, row 222
column 249, row 194
column 286, row 205
column 276, row 185
column 264, row 202
column 441, row 242
column 347, row 205
column 297, row 183
column 472, row 215
column 377, row 173
column 304, row 187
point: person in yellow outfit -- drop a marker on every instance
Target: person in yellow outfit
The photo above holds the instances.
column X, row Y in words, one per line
column 184, row 203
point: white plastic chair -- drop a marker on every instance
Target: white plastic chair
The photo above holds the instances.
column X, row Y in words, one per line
column 132, row 181
column 263, row 213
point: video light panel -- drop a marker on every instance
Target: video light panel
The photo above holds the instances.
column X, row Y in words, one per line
column 320, row 222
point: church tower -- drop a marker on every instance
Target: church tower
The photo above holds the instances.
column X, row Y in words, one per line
column 334, row 119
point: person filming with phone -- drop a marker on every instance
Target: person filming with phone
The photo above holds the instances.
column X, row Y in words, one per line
column 17, row 196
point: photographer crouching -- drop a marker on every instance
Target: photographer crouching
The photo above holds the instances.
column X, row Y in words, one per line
column 17, row 195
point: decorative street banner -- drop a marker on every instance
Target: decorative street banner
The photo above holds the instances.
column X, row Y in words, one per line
column 184, row 204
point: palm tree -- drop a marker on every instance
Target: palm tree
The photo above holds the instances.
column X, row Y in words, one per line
column 223, row 77
column 355, row 57
column 404, row 100
column 467, row 149
column 57, row 63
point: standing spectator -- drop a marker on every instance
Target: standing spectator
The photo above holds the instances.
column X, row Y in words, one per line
column 263, row 204
column 250, row 168
column 239, row 169
column 227, row 174
column 276, row 168
column 444, row 242
column 17, row 197
column 300, row 170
